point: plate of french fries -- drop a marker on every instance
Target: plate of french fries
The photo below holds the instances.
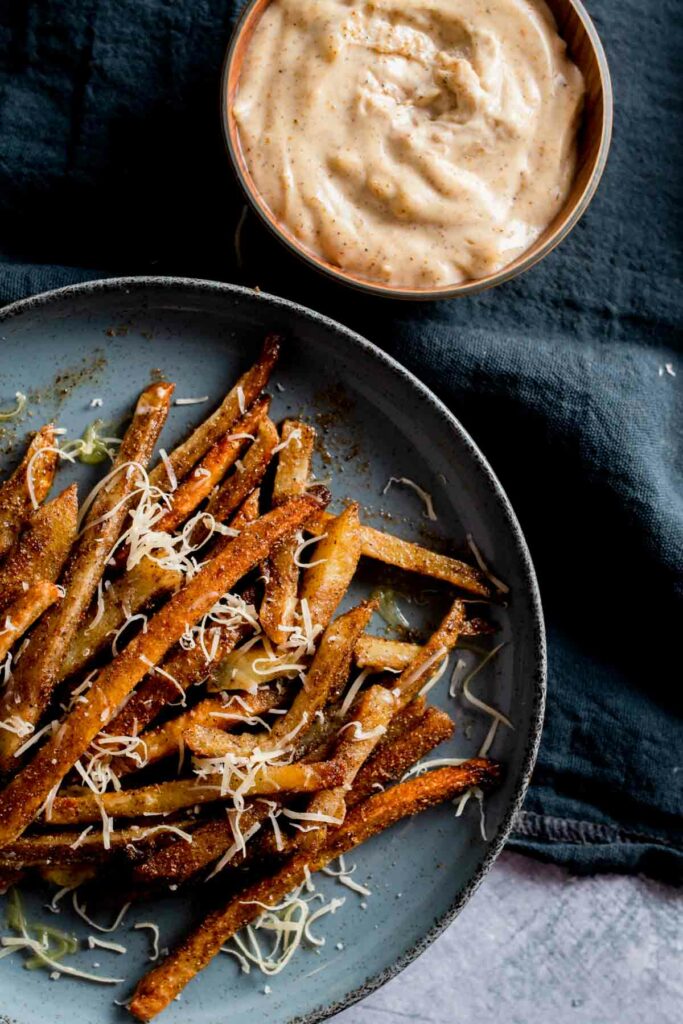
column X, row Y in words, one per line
column 271, row 652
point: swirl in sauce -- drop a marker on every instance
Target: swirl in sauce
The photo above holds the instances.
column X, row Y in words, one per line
column 414, row 144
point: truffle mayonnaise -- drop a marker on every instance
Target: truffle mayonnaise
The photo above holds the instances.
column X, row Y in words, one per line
column 417, row 144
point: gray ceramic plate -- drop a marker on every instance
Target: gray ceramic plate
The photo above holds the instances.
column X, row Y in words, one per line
column 104, row 340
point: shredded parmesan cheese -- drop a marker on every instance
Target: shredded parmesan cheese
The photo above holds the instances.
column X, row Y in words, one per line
column 352, row 691
column 154, row 928
column 302, row 547
column 170, row 472
column 82, row 912
column 426, row 497
column 501, row 587
column 113, row 947
column 350, row 883
column 294, row 436
column 12, row 414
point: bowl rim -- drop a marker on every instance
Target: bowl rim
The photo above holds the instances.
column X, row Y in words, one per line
column 199, row 288
column 469, row 287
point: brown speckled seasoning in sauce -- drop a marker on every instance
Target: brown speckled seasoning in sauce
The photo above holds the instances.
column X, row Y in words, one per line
column 416, row 144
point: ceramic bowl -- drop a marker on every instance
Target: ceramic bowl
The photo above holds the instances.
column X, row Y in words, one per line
column 584, row 48
column 105, row 340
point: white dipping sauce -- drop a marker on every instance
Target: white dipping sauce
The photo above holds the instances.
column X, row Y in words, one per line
column 416, row 144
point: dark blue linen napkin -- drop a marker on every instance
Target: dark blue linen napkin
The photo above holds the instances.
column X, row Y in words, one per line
column 112, row 162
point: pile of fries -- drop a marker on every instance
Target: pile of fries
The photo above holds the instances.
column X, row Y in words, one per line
column 180, row 696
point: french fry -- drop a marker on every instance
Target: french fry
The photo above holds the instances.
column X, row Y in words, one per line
column 243, row 480
column 358, row 737
column 42, row 549
column 371, row 717
column 248, row 511
column 378, row 653
column 33, row 682
column 145, row 582
column 239, row 398
column 405, row 719
column 178, row 861
column 17, row 494
column 206, row 739
column 182, row 668
column 403, row 554
column 411, row 733
column 169, row 978
column 384, row 547
column 392, row 760
column 167, row 739
column 327, row 673
column 323, row 585
column 199, row 482
column 167, row 797
column 281, row 573
column 24, row 795
column 416, row 676
column 21, row 615
column 66, row 848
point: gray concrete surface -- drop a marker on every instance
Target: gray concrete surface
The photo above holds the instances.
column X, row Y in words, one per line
column 538, row 946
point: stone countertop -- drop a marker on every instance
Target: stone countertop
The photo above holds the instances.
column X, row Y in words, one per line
column 539, row 946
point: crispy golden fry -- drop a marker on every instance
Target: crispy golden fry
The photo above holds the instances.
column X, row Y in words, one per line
column 329, row 670
column 431, row 655
column 281, row 573
column 42, row 549
column 248, row 511
column 38, row 671
column 338, row 553
column 370, row 717
column 66, row 848
column 164, row 982
column 403, row 554
column 199, row 482
column 21, row 799
column 167, row 739
column 410, row 734
column 239, row 398
column 384, row 547
column 21, row 615
column 178, row 861
column 16, row 504
column 404, row 719
column 184, row 667
column 206, row 739
column 166, row 797
column 378, row 653
column 390, row 762
column 367, row 722
column 243, row 480
column 294, row 461
column 128, row 594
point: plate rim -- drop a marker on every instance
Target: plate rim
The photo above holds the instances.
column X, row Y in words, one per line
column 539, row 683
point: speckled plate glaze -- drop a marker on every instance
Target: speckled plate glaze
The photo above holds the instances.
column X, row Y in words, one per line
column 105, row 340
